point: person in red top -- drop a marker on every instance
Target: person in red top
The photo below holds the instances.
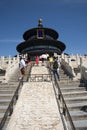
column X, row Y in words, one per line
column 37, row 60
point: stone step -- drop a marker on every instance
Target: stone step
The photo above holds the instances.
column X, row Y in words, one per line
column 8, row 88
column 10, row 84
column 72, row 85
column 7, row 84
column 5, row 97
column 3, row 107
column 4, row 102
column 63, row 76
column 6, row 94
column 64, row 81
column 6, row 91
column 80, row 124
column 3, row 110
column 14, row 77
column 78, row 115
column 14, row 80
column 76, row 99
column 15, row 83
column 74, row 89
column 75, row 94
column 69, row 84
column 1, row 116
column 76, row 106
column 6, row 123
column 61, row 71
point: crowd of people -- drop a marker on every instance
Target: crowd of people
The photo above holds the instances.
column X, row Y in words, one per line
column 52, row 60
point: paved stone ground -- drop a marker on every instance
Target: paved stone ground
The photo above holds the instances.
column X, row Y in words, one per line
column 36, row 108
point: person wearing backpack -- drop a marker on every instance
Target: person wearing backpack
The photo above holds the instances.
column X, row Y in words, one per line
column 55, row 68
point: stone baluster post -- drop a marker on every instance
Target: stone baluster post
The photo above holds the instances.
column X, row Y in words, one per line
column 9, row 60
column 69, row 61
column 66, row 58
column 62, row 56
column 2, row 61
column 78, row 59
column 13, row 59
column 18, row 58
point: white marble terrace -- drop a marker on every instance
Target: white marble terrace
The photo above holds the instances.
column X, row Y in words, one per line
column 70, row 62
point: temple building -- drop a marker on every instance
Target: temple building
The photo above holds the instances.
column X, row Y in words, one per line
column 40, row 40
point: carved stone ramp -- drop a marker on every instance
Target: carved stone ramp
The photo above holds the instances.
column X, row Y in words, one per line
column 36, row 108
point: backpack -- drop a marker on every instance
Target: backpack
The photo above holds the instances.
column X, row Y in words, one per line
column 55, row 65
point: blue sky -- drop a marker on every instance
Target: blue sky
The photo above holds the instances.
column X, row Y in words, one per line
column 67, row 17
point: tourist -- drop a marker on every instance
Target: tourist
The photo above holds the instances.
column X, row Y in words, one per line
column 51, row 61
column 55, row 68
column 22, row 67
column 37, row 60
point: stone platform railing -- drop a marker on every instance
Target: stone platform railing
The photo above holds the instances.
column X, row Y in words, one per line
column 10, row 64
column 76, row 66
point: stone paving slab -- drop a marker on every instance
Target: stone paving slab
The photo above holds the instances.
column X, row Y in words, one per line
column 36, row 109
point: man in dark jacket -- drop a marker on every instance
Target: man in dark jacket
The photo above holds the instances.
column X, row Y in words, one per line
column 55, row 68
